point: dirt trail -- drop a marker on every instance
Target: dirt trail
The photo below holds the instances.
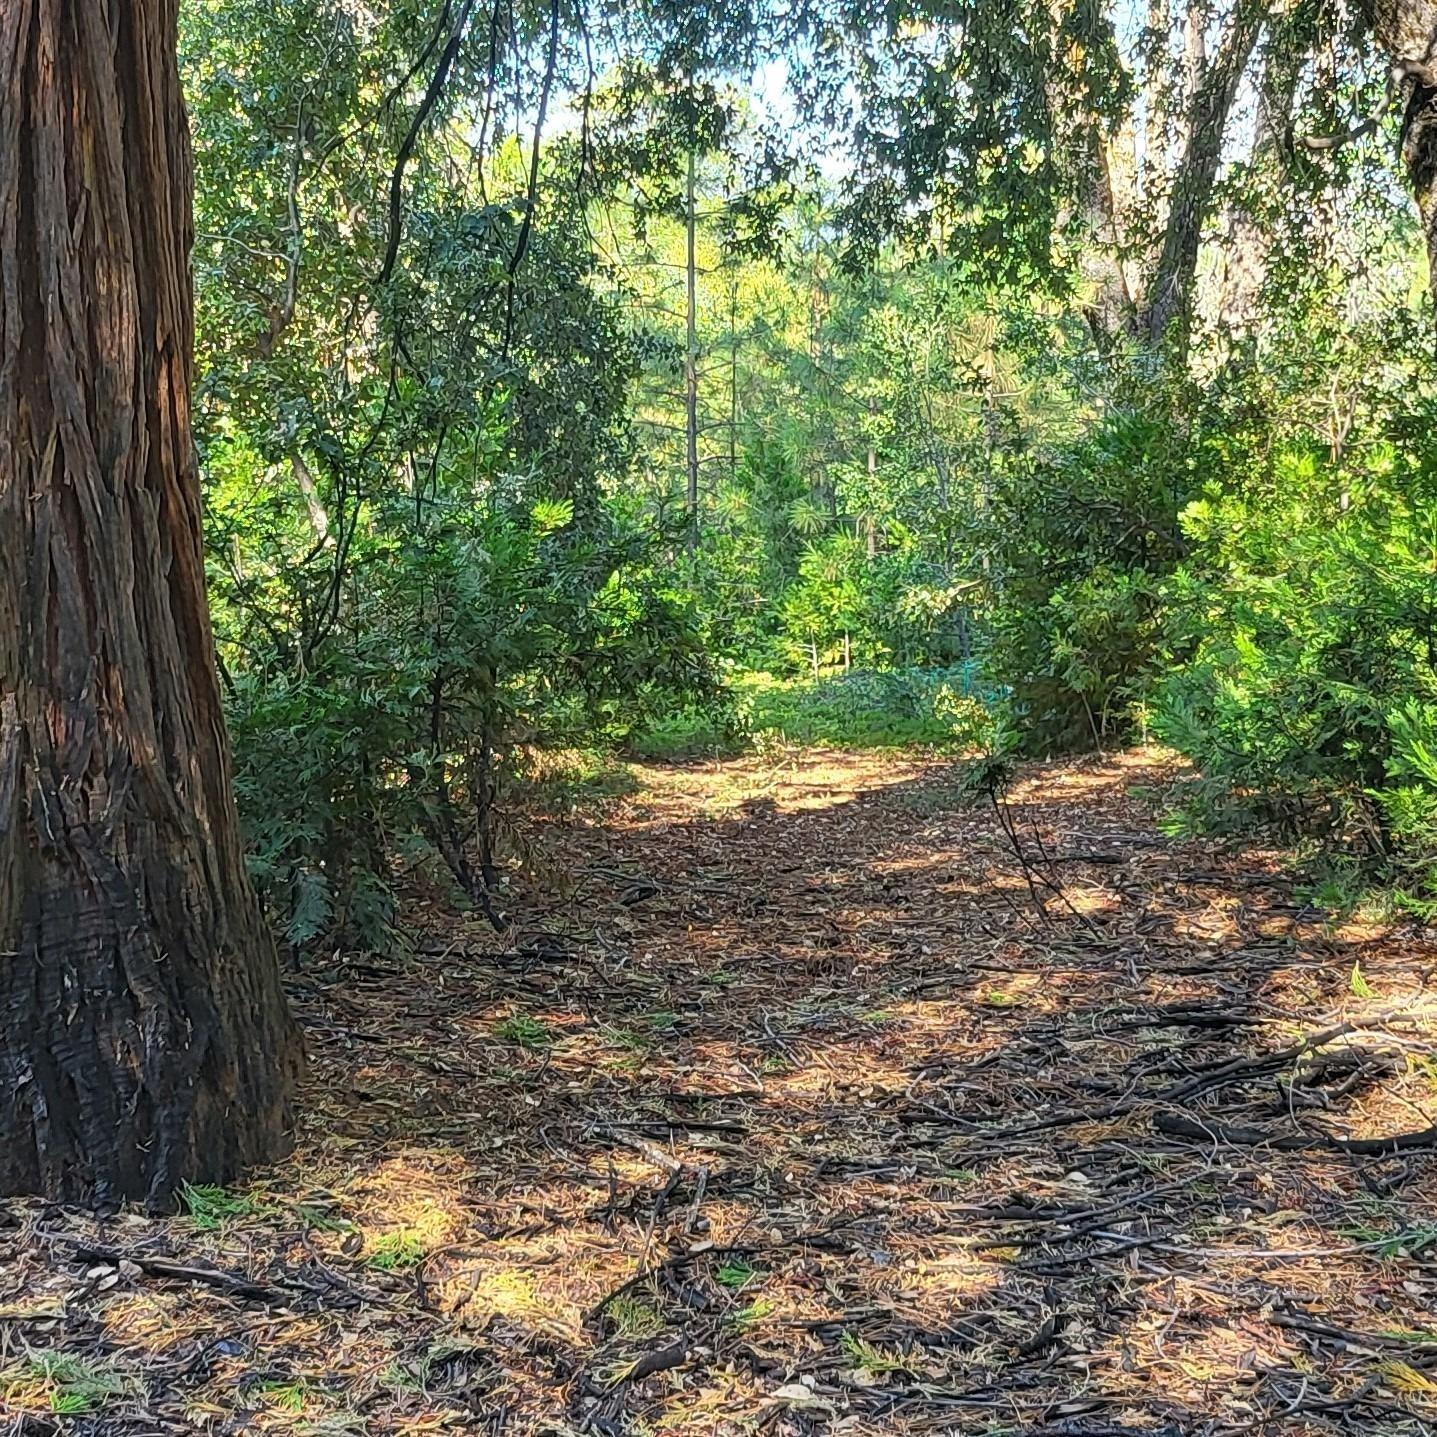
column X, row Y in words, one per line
column 808, row 1108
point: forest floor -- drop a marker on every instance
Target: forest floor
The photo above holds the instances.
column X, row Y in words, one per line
column 806, row 1108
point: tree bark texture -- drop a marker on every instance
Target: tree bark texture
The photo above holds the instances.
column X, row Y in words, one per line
column 144, row 1036
column 1146, row 220
column 1169, row 301
column 1406, row 30
column 1247, row 248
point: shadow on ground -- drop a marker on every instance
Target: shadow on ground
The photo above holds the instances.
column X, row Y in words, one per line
column 801, row 1102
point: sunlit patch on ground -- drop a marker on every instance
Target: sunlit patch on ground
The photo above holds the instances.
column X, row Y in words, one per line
column 803, row 1098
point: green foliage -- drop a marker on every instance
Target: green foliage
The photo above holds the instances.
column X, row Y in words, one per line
column 952, row 709
column 396, row 1252
column 70, row 1386
column 693, row 731
column 1082, row 541
column 751, row 1314
column 418, row 567
column 289, row 1396
column 1309, row 695
column 525, row 1031
column 736, row 1275
column 634, row 1318
column 991, row 454
column 871, row 1360
column 208, row 1206
column 949, row 709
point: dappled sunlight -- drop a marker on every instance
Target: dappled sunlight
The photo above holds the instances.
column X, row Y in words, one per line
column 405, row 1208
column 808, row 1101
column 525, row 1286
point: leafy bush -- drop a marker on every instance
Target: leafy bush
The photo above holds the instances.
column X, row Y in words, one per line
column 1309, row 611
column 470, row 640
column 421, row 561
column 948, row 708
column 940, row 708
column 695, row 730
column 1084, row 538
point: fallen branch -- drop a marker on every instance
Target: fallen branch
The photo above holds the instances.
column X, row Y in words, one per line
column 1238, row 1135
column 164, row 1267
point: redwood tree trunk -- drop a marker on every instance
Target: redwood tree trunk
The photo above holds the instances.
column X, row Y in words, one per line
column 144, row 1037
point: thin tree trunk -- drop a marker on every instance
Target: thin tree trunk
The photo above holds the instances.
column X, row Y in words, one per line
column 144, row 1038
column 870, row 525
column 1194, row 64
column 1102, row 160
column 1248, row 243
column 1118, row 168
column 314, row 505
column 691, row 356
column 1157, row 84
column 821, row 483
column 733, row 345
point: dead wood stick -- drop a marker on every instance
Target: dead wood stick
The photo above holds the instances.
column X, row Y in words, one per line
column 1238, row 1135
column 693, row 1125
column 651, row 1362
column 1254, row 1064
column 165, row 1267
column 656, row 1155
column 1248, row 1065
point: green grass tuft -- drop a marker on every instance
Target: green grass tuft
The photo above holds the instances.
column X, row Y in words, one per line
column 736, row 1275
column 528, row 1033
column 70, row 1386
column 208, row 1206
column 396, row 1251
column 634, row 1318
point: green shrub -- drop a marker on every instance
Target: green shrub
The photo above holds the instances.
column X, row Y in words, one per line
column 937, row 708
column 1309, row 615
column 1084, row 538
column 952, row 709
column 694, row 730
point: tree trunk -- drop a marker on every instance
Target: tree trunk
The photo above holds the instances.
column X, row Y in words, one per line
column 870, row 523
column 1407, row 31
column 1169, row 306
column 733, row 342
column 1247, row 245
column 144, row 1037
column 1157, row 88
column 691, row 355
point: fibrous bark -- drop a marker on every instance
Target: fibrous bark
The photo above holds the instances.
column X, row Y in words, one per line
column 144, row 1037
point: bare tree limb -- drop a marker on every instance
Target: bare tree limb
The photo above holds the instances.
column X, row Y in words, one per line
column 526, row 226
column 411, row 138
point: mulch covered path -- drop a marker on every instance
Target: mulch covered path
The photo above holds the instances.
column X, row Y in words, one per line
column 803, row 1098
